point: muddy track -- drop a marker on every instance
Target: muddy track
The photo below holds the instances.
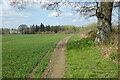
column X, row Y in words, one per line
column 56, row 65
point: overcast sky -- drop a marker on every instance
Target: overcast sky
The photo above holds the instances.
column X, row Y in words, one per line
column 12, row 17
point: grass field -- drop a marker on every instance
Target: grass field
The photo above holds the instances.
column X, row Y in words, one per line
column 0, row 56
column 20, row 53
column 84, row 61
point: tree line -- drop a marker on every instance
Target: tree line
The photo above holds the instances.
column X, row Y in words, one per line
column 38, row 29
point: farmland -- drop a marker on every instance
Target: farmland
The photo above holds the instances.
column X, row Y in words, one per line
column 81, row 57
column 20, row 53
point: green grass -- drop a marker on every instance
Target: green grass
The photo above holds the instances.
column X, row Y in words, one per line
column 83, row 61
column 20, row 53
column 43, row 64
column 0, row 56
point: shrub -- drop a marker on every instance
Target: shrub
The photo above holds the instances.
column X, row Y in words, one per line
column 113, row 55
column 80, row 44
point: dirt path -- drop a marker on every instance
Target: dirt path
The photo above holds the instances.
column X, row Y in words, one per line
column 56, row 65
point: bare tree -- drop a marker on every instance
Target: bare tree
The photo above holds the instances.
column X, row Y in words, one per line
column 102, row 10
column 22, row 28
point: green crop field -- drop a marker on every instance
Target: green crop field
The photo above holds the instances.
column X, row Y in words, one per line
column 20, row 53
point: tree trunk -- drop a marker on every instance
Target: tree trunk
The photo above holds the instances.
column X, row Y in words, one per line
column 104, row 21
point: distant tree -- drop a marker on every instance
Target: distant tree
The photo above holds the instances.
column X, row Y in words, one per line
column 22, row 28
column 56, row 29
column 5, row 31
column 37, row 28
column 62, row 28
column 51, row 28
column 0, row 31
column 26, row 31
column 74, row 29
column 47, row 28
column 32, row 29
column 42, row 28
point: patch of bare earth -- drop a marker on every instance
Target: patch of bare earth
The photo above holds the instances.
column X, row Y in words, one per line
column 56, row 65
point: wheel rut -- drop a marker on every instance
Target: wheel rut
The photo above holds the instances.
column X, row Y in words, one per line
column 56, row 65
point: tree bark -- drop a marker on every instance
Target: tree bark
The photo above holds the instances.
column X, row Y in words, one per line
column 104, row 21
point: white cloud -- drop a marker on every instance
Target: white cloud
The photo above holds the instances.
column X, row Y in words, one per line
column 57, row 13
column 11, row 16
column 8, row 10
column 6, row 1
column 92, row 18
column 76, row 20
column 68, row 14
column 26, row 15
column 14, row 14
column 77, row 7
column 54, row 14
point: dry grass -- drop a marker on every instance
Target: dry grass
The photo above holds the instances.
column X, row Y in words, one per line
column 89, row 33
column 107, row 48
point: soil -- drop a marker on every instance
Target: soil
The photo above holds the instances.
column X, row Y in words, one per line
column 56, row 65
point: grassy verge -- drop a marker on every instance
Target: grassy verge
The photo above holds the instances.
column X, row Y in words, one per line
column 83, row 61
